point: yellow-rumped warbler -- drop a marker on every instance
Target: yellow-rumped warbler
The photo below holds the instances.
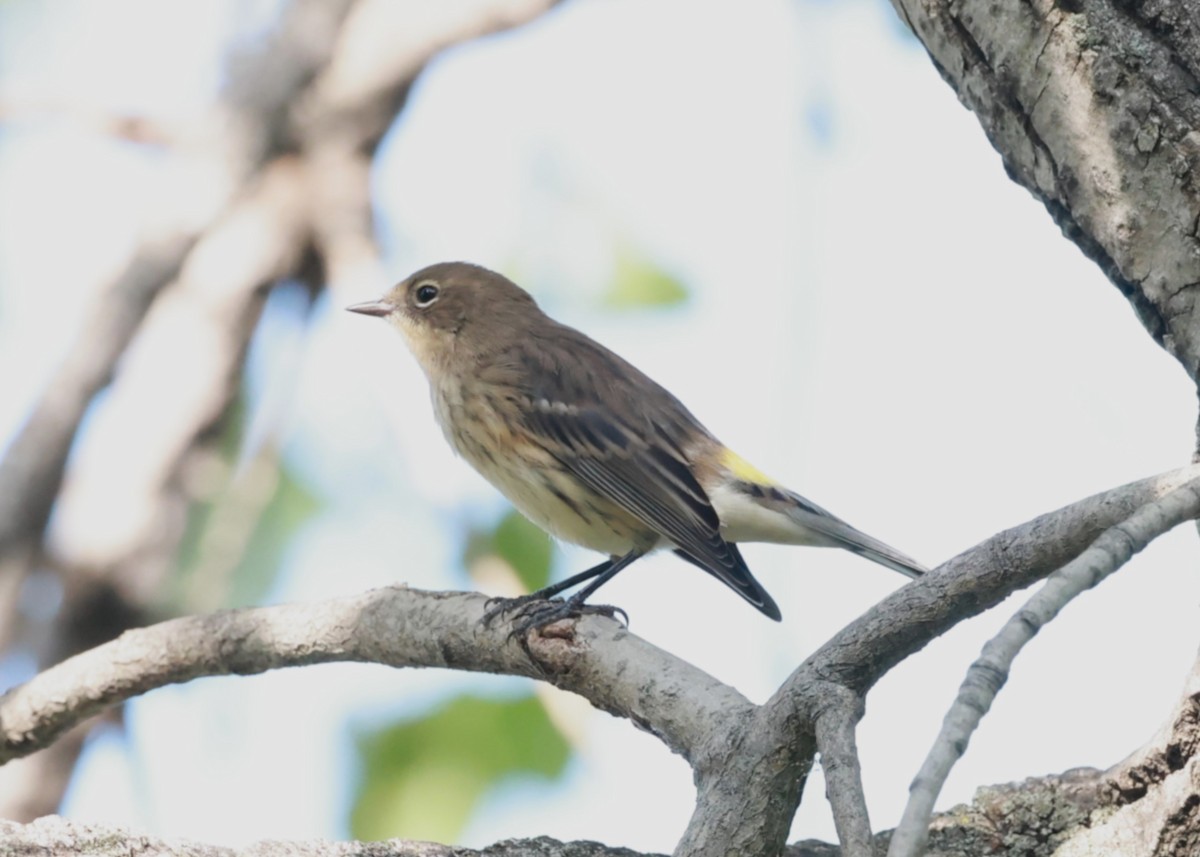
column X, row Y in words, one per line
column 589, row 448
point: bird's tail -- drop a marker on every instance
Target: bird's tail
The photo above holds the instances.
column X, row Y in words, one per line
column 812, row 517
column 796, row 520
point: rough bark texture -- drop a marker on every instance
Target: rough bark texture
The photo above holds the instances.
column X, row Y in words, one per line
column 1029, row 819
column 51, row 836
column 750, row 761
column 396, row 626
column 1093, row 108
column 987, row 675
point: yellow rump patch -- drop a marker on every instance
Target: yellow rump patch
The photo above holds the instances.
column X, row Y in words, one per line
column 743, row 469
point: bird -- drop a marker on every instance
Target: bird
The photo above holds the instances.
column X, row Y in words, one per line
column 589, row 448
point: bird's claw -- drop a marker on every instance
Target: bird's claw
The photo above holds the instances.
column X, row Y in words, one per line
column 531, row 613
column 494, row 607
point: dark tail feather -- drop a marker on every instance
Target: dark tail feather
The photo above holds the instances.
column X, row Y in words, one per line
column 889, row 557
column 742, row 582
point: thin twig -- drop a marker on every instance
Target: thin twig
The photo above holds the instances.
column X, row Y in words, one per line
column 966, row 585
column 988, row 674
column 835, row 728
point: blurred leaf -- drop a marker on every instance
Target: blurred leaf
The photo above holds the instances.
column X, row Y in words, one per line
column 521, row 544
column 290, row 507
column 234, row 544
column 422, row 778
column 637, row 282
column 234, row 424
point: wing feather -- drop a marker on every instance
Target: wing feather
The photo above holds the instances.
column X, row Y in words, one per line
column 651, row 479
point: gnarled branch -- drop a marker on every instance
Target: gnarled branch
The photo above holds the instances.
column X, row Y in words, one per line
column 400, row 627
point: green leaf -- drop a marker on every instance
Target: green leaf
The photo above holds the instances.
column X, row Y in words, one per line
column 637, row 282
column 291, row 506
column 521, row 544
column 234, row 543
column 422, row 778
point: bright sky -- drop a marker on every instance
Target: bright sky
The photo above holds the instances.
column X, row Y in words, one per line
column 878, row 317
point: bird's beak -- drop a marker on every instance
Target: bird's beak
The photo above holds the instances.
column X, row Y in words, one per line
column 379, row 308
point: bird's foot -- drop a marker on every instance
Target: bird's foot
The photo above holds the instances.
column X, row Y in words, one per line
column 531, row 613
column 539, row 614
column 494, row 607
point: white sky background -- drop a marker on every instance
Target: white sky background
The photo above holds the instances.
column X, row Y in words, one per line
column 878, row 317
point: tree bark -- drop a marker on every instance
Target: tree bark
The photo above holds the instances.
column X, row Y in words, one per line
column 1093, row 109
column 750, row 761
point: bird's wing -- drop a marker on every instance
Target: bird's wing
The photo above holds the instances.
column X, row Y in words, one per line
column 647, row 474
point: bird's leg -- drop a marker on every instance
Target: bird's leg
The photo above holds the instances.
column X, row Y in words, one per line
column 496, row 606
column 542, row 613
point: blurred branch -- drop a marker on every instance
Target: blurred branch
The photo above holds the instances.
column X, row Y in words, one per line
column 272, row 186
column 131, row 127
column 38, row 782
column 382, row 49
column 121, row 512
column 987, row 675
column 261, row 90
column 32, row 469
column 120, row 516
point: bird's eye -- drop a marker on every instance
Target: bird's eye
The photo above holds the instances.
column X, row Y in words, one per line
column 426, row 294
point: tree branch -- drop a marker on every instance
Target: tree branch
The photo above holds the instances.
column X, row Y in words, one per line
column 906, row 620
column 966, row 585
column 1030, row 818
column 988, row 674
column 1166, row 752
column 750, row 761
column 596, row 658
column 835, row 726
column 1093, row 108
column 52, row 837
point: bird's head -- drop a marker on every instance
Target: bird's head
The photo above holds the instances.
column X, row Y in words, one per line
column 453, row 306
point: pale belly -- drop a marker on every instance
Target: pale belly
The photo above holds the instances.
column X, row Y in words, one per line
column 536, row 483
column 552, row 500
